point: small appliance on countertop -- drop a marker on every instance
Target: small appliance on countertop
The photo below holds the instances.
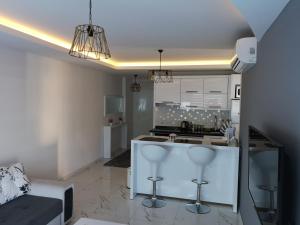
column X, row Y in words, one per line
column 185, row 125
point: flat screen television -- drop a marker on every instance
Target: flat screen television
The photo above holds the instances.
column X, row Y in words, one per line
column 265, row 177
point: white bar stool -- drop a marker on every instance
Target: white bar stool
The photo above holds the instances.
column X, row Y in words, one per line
column 155, row 155
column 201, row 157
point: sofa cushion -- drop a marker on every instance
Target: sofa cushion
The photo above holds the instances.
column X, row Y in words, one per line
column 30, row 210
column 8, row 189
column 13, row 182
column 20, row 178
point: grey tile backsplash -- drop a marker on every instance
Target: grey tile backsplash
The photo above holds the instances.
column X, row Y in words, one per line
column 173, row 115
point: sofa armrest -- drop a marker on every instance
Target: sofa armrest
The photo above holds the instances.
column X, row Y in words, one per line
column 49, row 188
column 54, row 189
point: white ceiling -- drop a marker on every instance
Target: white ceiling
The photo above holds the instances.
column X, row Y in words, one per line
column 260, row 14
column 135, row 29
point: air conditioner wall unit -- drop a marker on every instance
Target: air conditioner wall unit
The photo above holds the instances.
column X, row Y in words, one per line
column 246, row 54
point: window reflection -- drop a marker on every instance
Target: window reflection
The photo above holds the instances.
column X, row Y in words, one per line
column 142, row 105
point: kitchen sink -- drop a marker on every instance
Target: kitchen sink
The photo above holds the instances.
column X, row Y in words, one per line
column 187, row 141
column 153, row 139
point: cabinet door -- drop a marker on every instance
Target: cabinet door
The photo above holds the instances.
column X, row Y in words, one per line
column 193, row 100
column 192, row 93
column 192, row 86
column 216, row 85
column 167, row 92
column 215, row 101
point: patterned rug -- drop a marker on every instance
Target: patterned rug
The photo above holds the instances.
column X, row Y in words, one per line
column 122, row 160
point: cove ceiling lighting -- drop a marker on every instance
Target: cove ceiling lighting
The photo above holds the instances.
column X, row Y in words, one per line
column 14, row 25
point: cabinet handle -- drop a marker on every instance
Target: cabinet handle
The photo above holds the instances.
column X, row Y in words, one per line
column 167, row 102
column 215, row 91
column 214, row 107
column 171, row 103
column 191, row 106
column 191, row 91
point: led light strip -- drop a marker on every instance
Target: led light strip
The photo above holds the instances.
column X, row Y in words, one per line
column 34, row 32
column 177, row 63
column 41, row 35
column 38, row 34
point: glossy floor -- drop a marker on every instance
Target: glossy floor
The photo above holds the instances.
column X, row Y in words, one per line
column 101, row 193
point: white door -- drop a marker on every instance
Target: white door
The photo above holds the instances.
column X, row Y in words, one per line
column 216, row 85
column 192, row 93
column 167, row 92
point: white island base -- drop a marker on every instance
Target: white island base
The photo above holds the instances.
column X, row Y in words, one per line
column 178, row 171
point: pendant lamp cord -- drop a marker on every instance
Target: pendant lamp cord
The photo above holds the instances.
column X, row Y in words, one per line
column 160, row 60
column 90, row 12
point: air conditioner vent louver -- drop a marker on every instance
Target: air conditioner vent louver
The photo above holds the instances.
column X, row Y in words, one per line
column 246, row 54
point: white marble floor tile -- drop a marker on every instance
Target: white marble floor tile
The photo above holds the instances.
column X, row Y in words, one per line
column 165, row 215
column 101, row 193
column 185, row 217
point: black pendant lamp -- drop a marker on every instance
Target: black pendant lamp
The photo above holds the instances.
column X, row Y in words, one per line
column 89, row 41
column 135, row 86
column 160, row 76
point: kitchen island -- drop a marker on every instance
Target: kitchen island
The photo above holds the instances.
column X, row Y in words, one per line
column 178, row 171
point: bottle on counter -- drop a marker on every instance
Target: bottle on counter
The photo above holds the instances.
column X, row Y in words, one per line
column 233, row 142
column 172, row 137
column 230, row 133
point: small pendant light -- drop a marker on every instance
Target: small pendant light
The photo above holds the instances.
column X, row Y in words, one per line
column 135, row 86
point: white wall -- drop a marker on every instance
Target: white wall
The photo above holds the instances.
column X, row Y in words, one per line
column 270, row 102
column 51, row 113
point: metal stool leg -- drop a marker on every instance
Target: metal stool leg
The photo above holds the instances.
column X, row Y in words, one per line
column 154, row 202
column 198, row 207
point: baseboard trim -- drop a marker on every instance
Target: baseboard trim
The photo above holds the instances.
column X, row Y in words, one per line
column 63, row 178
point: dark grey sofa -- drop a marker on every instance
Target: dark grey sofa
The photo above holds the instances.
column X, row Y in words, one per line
column 31, row 210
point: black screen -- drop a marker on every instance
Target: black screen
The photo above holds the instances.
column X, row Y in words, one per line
column 68, row 204
column 264, row 176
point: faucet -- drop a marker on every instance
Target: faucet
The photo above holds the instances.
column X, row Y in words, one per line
column 215, row 122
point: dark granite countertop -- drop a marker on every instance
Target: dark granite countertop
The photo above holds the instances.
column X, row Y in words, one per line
column 166, row 130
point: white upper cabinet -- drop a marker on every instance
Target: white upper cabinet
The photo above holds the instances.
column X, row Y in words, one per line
column 216, row 85
column 192, row 93
column 215, row 101
column 167, row 92
column 192, row 86
column 209, row 92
